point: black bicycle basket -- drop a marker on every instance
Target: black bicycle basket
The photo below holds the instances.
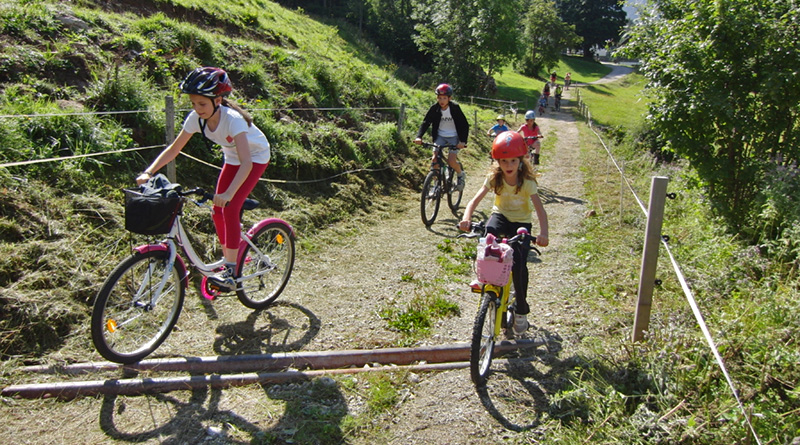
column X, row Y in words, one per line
column 151, row 211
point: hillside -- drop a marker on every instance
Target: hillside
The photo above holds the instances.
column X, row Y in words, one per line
column 71, row 74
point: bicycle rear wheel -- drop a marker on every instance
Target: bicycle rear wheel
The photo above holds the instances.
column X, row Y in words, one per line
column 454, row 194
column 431, row 197
column 265, row 270
column 131, row 318
column 483, row 339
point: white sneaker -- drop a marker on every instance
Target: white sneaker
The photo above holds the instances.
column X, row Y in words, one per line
column 520, row 324
column 224, row 280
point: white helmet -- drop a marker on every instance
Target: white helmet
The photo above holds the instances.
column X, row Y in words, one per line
column 530, row 114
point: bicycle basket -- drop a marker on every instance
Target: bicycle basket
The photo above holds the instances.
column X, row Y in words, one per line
column 493, row 263
column 150, row 214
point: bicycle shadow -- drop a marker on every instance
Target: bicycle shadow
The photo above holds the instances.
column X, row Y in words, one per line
column 549, row 196
column 521, row 387
column 313, row 411
column 282, row 327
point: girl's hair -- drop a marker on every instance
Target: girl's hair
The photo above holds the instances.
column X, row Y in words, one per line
column 239, row 110
column 525, row 172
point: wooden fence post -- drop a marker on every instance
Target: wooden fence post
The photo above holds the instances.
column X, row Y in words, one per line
column 401, row 119
column 169, row 132
column 652, row 239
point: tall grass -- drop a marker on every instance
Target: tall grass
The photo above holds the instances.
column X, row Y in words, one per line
column 668, row 388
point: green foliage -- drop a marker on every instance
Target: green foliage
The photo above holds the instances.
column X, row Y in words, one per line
column 597, row 22
column 544, row 38
column 726, row 109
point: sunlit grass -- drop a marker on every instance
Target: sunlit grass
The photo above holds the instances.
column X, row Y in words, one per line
column 617, row 104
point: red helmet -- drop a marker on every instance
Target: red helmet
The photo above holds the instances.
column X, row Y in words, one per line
column 445, row 89
column 207, row 81
column 508, row 144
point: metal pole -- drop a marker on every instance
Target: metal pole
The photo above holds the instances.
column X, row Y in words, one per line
column 652, row 239
column 169, row 132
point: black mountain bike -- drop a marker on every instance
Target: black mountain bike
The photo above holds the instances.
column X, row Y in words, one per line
column 441, row 179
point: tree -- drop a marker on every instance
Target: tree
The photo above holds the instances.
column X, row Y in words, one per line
column 443, row 32
column 495, row 33
column 544, row 37
column 597, row 21
column 723, row 76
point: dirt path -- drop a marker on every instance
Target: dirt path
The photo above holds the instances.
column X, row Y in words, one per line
column 445, row 407
column 342, row 281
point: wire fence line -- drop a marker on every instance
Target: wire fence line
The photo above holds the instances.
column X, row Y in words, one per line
column 170, row 124
column 584, row 111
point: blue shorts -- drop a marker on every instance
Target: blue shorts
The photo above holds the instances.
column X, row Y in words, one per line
column 440, row 140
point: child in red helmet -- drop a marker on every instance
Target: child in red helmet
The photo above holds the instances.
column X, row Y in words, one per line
column 246, row 150
column 514, row 184
column 449, row 126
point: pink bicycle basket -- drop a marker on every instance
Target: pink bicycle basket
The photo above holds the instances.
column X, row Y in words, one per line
column 493, row 263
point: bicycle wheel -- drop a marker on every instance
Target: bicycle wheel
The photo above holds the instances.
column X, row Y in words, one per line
column 431, row 197
column 265, row 270
column 454, row 194
column 131, row 317
column 483, row 338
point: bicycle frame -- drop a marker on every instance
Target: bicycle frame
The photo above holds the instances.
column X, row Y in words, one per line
column 177, row 236
column 503, row 293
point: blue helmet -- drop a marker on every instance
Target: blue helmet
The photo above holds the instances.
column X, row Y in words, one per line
column 530, row 114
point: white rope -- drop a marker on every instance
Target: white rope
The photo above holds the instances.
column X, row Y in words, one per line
column 283, row 181
column 66, row 158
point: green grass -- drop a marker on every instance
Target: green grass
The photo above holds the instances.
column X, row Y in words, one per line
column 583, row 71
column 617, row 104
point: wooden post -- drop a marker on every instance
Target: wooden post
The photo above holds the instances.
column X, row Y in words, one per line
column 169, row 132
column 652, row 239
column 476, row 119
column 401, row 119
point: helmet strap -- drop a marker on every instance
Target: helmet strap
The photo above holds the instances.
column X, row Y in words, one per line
column 203, row 122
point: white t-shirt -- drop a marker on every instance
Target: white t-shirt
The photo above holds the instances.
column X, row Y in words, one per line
column 447, row 126
column 231, row 123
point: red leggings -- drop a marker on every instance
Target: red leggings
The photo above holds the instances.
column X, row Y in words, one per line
column 227, row 220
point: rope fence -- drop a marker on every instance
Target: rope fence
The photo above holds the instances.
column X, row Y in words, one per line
column 585, row 113
column 169, row 125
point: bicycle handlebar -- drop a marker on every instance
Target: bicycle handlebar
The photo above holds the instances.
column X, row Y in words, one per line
column 249, row 203
column 477, row 229
column 429, row 144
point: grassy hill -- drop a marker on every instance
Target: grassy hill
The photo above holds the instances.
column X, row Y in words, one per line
column 328, row 102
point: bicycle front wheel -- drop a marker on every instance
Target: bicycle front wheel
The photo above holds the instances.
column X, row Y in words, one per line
column 431, row 197
column 137, row 307
column 454, row 193
column 483, row 339
column 265, row 269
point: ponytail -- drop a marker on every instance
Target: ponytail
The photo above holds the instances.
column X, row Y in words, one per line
column 239, row 110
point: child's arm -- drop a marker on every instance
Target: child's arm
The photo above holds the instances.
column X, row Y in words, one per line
column 165, row 157
column 544, row 229
column 467, row 218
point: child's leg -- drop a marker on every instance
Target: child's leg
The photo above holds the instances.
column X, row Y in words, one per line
column 227, row 220
column 499, row 226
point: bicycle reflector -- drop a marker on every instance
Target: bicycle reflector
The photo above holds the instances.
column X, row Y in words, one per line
column 111, row 325
column 279, row 238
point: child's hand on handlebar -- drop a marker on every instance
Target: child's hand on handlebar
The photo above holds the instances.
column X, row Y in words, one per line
column 464, row 226
column 418, row 141
column 542, row 240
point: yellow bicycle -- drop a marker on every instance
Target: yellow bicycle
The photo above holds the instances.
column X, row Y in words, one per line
column 494, row 282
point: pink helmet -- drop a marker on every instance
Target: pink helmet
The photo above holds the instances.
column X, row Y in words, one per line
column 445, row 89
column 508, row 144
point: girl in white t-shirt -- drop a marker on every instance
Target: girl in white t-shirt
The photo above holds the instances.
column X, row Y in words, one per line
column 246, row 151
